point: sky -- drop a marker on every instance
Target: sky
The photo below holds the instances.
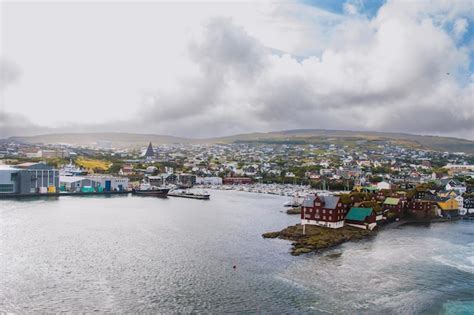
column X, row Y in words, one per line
column 206, row 69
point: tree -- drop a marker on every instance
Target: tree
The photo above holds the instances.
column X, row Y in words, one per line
column 114, row 168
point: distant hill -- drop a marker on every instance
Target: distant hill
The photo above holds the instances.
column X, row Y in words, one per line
column 314, row 136
column 351, row 137
column 117, row 139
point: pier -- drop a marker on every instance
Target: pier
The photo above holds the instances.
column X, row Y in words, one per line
column 106, row 193
column 103, row 193
column 189, row 196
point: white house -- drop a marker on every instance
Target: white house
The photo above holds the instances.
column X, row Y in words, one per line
column 208, row 181
column 151, row 169
column 454, row 184
column 384, row 185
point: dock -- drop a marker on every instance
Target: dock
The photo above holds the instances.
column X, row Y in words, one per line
column 48, row 195
column 103, row 193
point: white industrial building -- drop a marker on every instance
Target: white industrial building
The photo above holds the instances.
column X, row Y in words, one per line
column 76, row 183
column 110, row 183
column 208, row 181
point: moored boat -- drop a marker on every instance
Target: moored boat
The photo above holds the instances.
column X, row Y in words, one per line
column 148, row 190
column 192, row 195
column 295, row 203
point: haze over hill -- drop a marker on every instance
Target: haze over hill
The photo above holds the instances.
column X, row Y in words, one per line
column 309, row 136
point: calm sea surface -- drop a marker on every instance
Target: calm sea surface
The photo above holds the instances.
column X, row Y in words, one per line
column 141, row 254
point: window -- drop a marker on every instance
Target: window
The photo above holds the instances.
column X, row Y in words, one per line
column 324, row 211
column 330, row 211
column 6, row 188
column 13, row 177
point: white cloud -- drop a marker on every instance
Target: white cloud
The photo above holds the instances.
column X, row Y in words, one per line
column 223, row 69
column 352, row 7
column 460, row 27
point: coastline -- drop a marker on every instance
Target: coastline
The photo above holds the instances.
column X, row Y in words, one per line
column 317, row 238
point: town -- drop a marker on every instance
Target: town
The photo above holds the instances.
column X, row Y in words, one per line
column 360, row 183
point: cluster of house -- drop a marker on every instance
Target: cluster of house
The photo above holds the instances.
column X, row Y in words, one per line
column 369, row 165
column 368, row 209
column 366, row 163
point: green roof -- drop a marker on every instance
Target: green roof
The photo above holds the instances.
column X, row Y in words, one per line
column 358, row 214
column 391, row 201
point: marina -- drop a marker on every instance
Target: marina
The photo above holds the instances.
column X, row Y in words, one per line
column 298, row 192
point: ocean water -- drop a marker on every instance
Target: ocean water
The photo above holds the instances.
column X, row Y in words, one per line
column 142, row 254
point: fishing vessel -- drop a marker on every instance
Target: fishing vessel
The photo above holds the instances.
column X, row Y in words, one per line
column 146, row 189
column 71, row 170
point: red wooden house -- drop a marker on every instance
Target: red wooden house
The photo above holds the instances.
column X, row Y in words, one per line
column 327, row 211
column 420, row 208
column 394, row 205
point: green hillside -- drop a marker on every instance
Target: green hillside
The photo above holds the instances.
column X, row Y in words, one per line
column 310, row 136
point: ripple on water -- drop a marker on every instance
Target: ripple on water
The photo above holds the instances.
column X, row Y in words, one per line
column 131, row 255
column 401, row 270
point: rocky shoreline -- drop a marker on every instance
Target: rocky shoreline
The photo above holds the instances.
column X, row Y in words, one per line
column 318, row 238
column 295, row 210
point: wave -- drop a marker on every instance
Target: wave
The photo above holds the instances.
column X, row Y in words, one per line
column 465, row 264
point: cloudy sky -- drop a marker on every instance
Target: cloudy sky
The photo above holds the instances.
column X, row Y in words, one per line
column 210, row 69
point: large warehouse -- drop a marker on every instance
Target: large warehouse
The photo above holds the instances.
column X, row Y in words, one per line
column 28, row 178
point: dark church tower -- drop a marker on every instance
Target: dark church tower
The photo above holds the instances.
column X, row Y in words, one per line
column 149, row 152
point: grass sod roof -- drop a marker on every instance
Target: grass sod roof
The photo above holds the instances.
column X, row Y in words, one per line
column 358, row 214
column 391, row 201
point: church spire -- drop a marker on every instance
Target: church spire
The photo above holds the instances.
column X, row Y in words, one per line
column 149, row 151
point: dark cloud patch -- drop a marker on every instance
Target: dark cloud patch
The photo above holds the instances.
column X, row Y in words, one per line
column 18, row 125
column 226, row 54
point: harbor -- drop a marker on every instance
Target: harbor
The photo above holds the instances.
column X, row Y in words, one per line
column 126, row 251
column 237, row 157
